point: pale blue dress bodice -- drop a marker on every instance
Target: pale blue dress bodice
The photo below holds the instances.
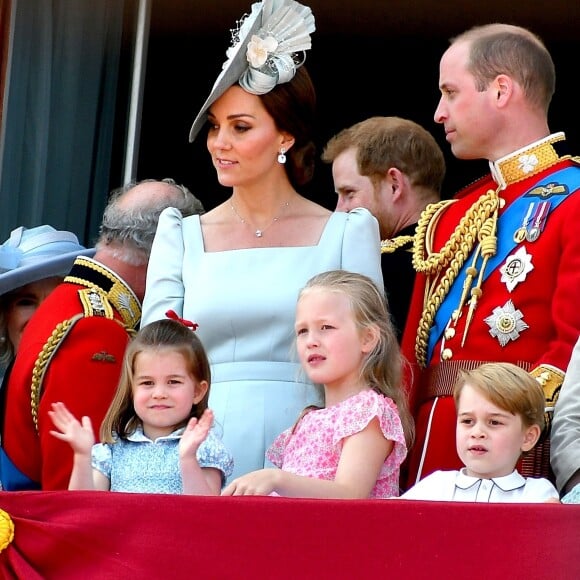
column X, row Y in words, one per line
column 139, row 465
column 244, row 302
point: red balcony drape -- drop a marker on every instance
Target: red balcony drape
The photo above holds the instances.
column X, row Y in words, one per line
column 89, row 535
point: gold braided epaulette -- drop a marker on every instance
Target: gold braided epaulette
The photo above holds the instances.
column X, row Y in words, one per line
column 48, row 350
column 41, row 363
column 117, row 291
column 422, row 242
column 550, row 379
column 449, row 260
column 391, row 245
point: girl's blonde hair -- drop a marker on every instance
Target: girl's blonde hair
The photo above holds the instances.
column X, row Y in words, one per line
column 121, row 418
column 382, row 368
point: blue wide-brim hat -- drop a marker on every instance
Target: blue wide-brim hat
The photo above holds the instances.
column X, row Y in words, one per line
column 32, row 254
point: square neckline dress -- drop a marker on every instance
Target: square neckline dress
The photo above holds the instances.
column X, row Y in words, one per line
column 244, row 301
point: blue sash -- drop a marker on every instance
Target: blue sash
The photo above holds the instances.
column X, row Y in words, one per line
column 12, row 478
column 508, row 222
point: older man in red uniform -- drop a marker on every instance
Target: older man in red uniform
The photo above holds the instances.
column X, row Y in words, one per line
column 500, row 263
column 72, row 350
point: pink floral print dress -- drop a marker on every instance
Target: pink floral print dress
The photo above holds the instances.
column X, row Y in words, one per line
column 312, row 448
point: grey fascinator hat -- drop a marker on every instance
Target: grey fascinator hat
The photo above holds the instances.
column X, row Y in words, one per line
column 268, row 46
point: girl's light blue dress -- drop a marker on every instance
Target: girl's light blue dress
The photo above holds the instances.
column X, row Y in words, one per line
column 244, row 302
column 138, row 465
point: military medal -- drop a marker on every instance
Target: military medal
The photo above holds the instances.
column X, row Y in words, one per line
column 538, row 221
column 520, row 233
column 516, row 268
column 533, row 234
column 506, row 323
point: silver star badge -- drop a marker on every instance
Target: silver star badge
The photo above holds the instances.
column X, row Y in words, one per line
column 516, row 268
column 506, row 323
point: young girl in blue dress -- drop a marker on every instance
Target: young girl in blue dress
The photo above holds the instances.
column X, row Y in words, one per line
column 157, row 435
column 354, row 446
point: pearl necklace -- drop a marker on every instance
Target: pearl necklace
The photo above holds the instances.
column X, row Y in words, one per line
column 259, row 231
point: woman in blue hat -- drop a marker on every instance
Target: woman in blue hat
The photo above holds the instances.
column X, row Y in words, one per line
column 33, row 261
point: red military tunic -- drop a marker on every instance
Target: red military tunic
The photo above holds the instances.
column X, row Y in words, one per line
column 71, row 351
column 526, row 312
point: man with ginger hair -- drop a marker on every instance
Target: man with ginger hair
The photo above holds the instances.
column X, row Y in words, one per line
column 394, row 168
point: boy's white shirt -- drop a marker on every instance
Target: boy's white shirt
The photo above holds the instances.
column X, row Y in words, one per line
column 458, row 486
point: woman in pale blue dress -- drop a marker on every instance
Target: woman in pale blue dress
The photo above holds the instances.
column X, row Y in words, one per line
column 236, row 270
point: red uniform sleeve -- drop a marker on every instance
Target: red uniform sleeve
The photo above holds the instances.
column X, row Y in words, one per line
column 83, row 373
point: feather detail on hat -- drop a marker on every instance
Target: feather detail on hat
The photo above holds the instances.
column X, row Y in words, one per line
column 268, row 45
column 274, row 53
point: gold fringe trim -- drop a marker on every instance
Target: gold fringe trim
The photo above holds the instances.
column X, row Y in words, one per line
column 41, row 363
column 451, row 257
column 6, row 530
column 478, row 225
column 46, row 354
column 391, row 245
column 550, row 379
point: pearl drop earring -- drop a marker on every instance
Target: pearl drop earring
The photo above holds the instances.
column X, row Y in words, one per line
column 282, row 156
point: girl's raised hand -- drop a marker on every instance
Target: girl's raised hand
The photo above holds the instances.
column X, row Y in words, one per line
column 195, row 433
column 78, row 434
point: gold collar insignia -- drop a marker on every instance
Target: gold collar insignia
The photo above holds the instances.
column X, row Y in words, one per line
column 527, row 161
column 104, row 286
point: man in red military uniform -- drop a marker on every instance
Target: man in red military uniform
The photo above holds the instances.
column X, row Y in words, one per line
column 500, row 263
column 73, row 347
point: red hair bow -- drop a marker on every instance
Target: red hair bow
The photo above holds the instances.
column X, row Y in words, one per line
column 174, row 316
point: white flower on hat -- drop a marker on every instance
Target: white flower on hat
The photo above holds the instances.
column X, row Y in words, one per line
column 259, row 49
column 279, row 46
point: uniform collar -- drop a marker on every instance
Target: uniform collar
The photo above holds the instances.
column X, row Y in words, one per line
column 101, row 280
column 528, row 160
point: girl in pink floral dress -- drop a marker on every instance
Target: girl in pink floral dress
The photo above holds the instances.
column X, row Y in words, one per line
column 354, row 446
